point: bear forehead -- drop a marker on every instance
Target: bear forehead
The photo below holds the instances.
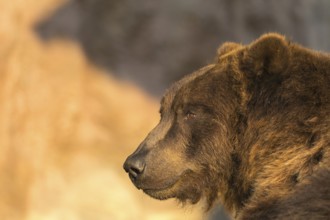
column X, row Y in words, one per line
column 173, row 91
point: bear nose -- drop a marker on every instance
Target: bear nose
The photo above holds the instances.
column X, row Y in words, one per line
column 134, row 167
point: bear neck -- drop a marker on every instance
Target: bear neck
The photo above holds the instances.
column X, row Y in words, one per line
column 238, row 187
column 264, row 164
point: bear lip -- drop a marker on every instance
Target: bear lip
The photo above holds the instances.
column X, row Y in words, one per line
column 155, row 188
column 150, row 189
column 165, row 191
column 160, row 188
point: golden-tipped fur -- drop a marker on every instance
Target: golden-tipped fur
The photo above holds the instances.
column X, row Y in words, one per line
column 252, row 130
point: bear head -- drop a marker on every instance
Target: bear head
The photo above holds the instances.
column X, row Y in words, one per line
column 190, row 153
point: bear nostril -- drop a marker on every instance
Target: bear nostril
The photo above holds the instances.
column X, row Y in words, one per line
column 134, row 167
column 135, row 172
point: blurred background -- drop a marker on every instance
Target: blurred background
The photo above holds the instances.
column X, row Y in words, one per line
column 80, row 82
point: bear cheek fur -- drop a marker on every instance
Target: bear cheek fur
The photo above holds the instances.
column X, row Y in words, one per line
column 171, row 161
column 210, row 133
column 165, row 160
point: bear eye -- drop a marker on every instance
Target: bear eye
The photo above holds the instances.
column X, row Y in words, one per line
column 189, row 115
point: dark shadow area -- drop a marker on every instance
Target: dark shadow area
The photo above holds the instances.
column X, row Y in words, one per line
column 153, row 43
column 218, row 214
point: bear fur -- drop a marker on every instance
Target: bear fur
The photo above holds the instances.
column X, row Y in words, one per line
column 251, row 130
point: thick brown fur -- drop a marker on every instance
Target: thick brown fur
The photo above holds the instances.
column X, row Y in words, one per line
column 251, row 130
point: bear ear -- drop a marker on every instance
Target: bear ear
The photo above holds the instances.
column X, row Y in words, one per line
column 227, row 47
column 269, row 53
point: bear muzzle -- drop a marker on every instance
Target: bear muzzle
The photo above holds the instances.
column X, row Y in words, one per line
column 134, row 166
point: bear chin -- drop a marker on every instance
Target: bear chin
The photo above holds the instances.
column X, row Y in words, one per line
column 182, row 196
column 160, row 194
column 184, row 192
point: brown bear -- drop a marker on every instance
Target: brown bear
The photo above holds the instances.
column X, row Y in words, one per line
column 251, row 130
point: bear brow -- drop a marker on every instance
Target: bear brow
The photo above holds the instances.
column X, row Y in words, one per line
column 201, row 106
column 165, row 99
column 170, row 94
column 162, row 102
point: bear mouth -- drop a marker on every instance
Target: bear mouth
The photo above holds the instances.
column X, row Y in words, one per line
column 178, row 190
column 153, row 186
column 172, row 189
column 162, row 189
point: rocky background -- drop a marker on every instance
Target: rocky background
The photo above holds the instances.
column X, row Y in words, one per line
column 80, row 82
column 153, row 43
